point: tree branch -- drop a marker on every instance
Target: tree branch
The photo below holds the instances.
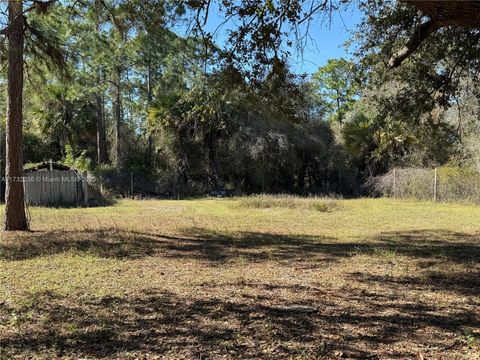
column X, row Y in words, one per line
column 421, row 34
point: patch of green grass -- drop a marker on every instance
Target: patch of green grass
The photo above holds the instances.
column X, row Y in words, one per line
column 473, row 340
column 387, row 254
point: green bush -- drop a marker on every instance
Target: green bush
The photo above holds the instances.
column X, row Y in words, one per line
column 80, row 162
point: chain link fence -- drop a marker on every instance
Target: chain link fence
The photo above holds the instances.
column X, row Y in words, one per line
column 448, row 184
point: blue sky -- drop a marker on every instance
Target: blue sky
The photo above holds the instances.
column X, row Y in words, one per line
column 327, row 41
column 328, row 38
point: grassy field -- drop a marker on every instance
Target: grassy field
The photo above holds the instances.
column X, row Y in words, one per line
column 215, row 279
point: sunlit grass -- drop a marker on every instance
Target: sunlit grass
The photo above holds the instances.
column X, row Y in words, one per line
column 288, row 202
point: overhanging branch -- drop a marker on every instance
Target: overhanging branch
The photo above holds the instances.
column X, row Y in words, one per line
column 464, row 14
column 420, row 35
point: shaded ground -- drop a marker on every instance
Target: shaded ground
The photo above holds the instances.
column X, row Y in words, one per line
column 205, row 292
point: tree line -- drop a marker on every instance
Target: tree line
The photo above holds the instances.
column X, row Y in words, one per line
column 140, row 87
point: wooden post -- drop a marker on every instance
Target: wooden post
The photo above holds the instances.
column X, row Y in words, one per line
column 85, row 187
column 435, row 186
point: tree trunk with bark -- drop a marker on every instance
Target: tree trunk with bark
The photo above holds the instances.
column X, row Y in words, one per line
column 101, row 134
column 15, row 217
column 117, row 117
column 151, row 156
column 99, row 100
column 464, row 14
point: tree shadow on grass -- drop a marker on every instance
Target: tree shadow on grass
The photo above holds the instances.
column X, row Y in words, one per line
column 445, row 261
column 107, row 243
column 194, row 244
column 432, row 244
column 425, row 246
column 154, row 322
column 465, row 282
column 422, row 245
column 389, row 320
column 165, row 324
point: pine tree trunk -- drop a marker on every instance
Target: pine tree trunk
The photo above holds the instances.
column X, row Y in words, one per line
column 15, row 217
column 101, row 136
column 101, row 132
column 149, row 105
column 117, row 118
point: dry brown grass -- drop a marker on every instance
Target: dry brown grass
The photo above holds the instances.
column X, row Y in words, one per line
column 288, row 202
column 210, row 279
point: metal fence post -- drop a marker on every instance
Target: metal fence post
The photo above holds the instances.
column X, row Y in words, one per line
column 435, row 186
